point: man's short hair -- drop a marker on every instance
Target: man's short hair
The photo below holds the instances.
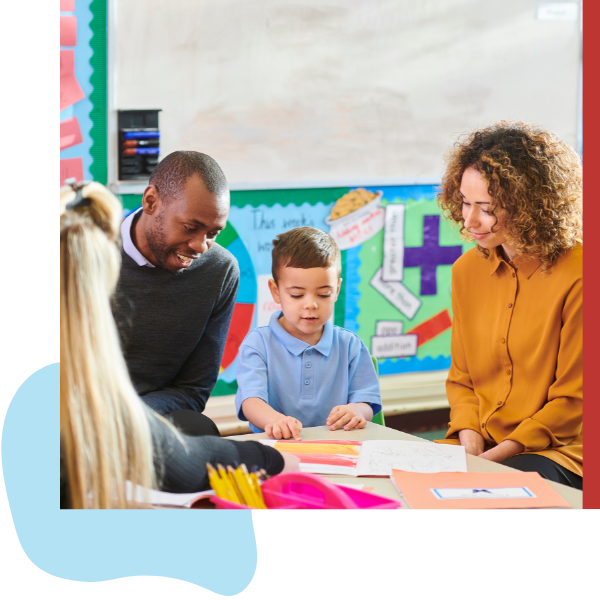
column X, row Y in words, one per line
column 305, row 248
column 172, row 172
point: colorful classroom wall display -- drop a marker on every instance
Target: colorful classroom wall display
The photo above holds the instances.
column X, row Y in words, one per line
column 83, row 90
column 397, row 255
column 397, row 249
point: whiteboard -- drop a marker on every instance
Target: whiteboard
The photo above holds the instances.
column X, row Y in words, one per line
column 312, row 92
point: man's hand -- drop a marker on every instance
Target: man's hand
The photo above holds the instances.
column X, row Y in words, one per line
column 284, row 429
column 348, row 416
column 503, row 451
column 473, row 441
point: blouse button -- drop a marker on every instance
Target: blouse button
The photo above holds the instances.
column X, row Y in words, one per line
column 510, row 305
column 499, row 402
column 308, row 365
column 307, row 382
column 309, row 352
column 513, row 275
column 508, row 371
column 483, row 425
column 502, row 341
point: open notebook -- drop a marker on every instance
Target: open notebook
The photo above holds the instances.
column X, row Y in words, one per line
column 372, row 458
column 165, row 499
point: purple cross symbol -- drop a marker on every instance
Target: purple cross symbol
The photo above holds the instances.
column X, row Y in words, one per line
column 430, row 255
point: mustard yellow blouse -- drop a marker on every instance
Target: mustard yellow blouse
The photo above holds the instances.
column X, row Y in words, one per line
column 517, row 354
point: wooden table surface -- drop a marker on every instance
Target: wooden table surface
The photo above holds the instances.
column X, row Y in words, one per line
column 382, row 485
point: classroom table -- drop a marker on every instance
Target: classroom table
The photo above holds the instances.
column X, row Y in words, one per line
column 382, row 485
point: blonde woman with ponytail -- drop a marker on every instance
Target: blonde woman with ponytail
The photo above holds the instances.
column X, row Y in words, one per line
column 108, row 436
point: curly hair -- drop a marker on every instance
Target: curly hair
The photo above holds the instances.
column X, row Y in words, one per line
column 532, row 175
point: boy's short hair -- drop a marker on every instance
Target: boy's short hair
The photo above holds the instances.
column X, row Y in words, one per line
column 305, row 248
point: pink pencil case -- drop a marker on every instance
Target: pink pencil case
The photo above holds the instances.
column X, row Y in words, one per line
column 305, row 490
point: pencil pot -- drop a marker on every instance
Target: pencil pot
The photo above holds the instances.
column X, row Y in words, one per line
column 305, row 490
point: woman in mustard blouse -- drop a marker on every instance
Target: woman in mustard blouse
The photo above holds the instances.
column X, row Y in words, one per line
column 515, row 383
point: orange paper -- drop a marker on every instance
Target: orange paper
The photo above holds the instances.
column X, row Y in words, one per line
column 70, row 133
column 68, row 31
column 71, row 167
column 422, row 490
column 70, row 90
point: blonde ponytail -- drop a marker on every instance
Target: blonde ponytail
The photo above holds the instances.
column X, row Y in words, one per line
column 104, row 430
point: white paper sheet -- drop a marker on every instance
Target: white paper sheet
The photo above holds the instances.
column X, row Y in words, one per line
column 486, row 493
column 389, row 328
column 558, row 11
column 156, row 497
column 394, row 346
column 396, row 293
column 393, row 243
column 379, row 457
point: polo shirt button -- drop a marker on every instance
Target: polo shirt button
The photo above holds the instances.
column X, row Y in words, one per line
column 510, row 305
column 309, row 352
column 502, row 341
column 307, row 382
column 308, row 365
column 499, row 402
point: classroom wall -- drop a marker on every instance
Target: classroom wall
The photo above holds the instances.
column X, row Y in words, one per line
column 422, row 333
column 308, row 91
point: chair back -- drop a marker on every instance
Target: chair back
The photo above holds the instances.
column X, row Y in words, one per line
column 378, row 418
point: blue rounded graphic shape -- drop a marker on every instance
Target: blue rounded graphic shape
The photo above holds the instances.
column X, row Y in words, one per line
column 247, row 290
column 214, row 549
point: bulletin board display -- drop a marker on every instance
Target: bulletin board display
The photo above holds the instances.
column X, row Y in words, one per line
column 83, row 90
column 303, row 91
column 397, row 255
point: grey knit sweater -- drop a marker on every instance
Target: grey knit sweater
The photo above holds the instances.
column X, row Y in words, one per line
column 173, row 327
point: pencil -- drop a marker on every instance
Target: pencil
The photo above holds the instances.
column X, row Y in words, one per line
column 255, row 489
column 233, row 496
column 246, row 487
column 258, row 490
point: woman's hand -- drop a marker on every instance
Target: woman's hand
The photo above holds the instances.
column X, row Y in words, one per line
column 290, row 462
column 472, row 441
column 503, row 451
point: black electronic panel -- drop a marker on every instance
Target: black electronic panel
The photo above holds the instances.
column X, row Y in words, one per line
column 139, row 143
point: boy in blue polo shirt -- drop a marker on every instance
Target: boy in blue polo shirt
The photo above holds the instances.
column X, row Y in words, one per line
column 301, row 369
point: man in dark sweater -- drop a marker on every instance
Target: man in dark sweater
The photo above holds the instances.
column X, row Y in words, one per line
column 177, row 288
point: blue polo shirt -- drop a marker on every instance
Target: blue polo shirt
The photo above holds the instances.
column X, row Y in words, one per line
column 304, row 381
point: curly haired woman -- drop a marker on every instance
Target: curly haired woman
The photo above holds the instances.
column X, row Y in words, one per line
column 515, row 384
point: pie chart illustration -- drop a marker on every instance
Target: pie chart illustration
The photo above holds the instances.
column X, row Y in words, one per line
column 245, row 303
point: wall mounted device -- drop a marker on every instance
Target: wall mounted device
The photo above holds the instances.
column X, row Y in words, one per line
column 139, row 143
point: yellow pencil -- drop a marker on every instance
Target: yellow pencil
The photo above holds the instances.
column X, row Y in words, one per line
column 215, row 482
column 247, row 492
column 255, row 493
column 236, row 485
column 233, row 496
column 258, row 490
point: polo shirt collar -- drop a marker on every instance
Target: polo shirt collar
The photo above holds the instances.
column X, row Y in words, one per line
column 128, row 245
column 527, row 265
column 296, row 346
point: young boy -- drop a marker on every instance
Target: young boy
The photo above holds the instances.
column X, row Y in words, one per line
column 301, row 369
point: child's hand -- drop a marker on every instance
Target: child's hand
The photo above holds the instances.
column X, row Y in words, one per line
column 349, row 416
column 284, row 429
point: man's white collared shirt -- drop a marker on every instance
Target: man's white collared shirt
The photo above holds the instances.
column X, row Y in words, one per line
column 128, row 244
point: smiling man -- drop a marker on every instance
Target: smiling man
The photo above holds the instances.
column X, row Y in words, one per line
column 177, row 288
